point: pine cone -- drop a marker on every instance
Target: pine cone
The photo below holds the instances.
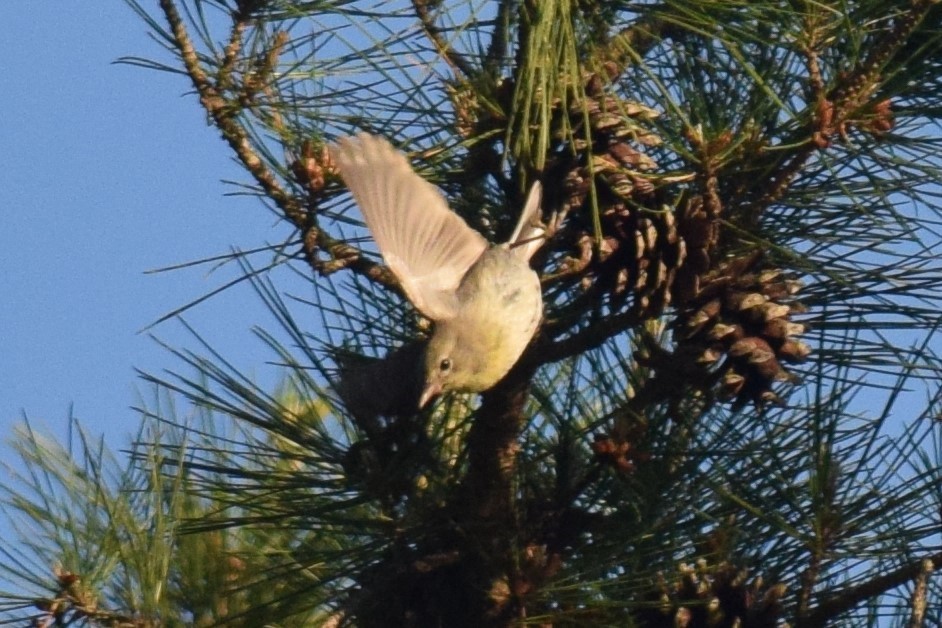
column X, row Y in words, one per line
column 741, row 319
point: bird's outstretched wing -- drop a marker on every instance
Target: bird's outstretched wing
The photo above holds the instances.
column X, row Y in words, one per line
column 426, row 245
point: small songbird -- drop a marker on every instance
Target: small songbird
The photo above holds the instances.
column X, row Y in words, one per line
column 485, row 301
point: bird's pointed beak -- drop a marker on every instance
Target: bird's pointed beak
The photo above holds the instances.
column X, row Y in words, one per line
column 432, row 390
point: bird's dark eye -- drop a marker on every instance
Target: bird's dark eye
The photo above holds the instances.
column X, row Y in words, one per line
column 445, row 364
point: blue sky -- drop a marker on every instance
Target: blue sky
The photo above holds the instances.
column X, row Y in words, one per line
column 106, row 171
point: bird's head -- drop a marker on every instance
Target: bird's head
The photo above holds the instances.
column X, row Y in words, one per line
column 443, row 368
column 458, row 358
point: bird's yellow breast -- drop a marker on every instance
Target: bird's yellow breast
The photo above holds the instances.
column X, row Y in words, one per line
column 501, row 305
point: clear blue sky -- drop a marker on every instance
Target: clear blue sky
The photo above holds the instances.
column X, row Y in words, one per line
column 106, row 171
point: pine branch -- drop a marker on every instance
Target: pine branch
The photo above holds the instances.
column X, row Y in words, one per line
column 222, row 113
column 486, row 496
column 630, row 45
column 497, row 49
column 824, row 614
column 434, row 33
column 225, row 118
column 591, row 337
column 831, row 112
column 492, row 446
column 920, row 590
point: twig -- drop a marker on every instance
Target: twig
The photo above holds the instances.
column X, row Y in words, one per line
column 866, row 75
column 434, row 33
column 344, row 256
column 919, row 595
column 493, row 446
column 809, row 577
column 850, row 94
column 630, row 44
column 231, row 53
column 497, row 49
column 223, row 115
column 485, row 505
column 589, row 338
column 830, row 608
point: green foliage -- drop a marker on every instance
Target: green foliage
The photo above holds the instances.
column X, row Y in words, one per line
column 112, row 543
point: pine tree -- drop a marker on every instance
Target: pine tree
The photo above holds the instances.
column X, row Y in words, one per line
column 729, row 415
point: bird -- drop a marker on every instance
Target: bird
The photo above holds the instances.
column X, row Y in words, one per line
column 485, row 301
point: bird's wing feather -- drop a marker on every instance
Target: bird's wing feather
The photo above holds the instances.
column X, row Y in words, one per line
column 426, row 245
column 529, row 233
